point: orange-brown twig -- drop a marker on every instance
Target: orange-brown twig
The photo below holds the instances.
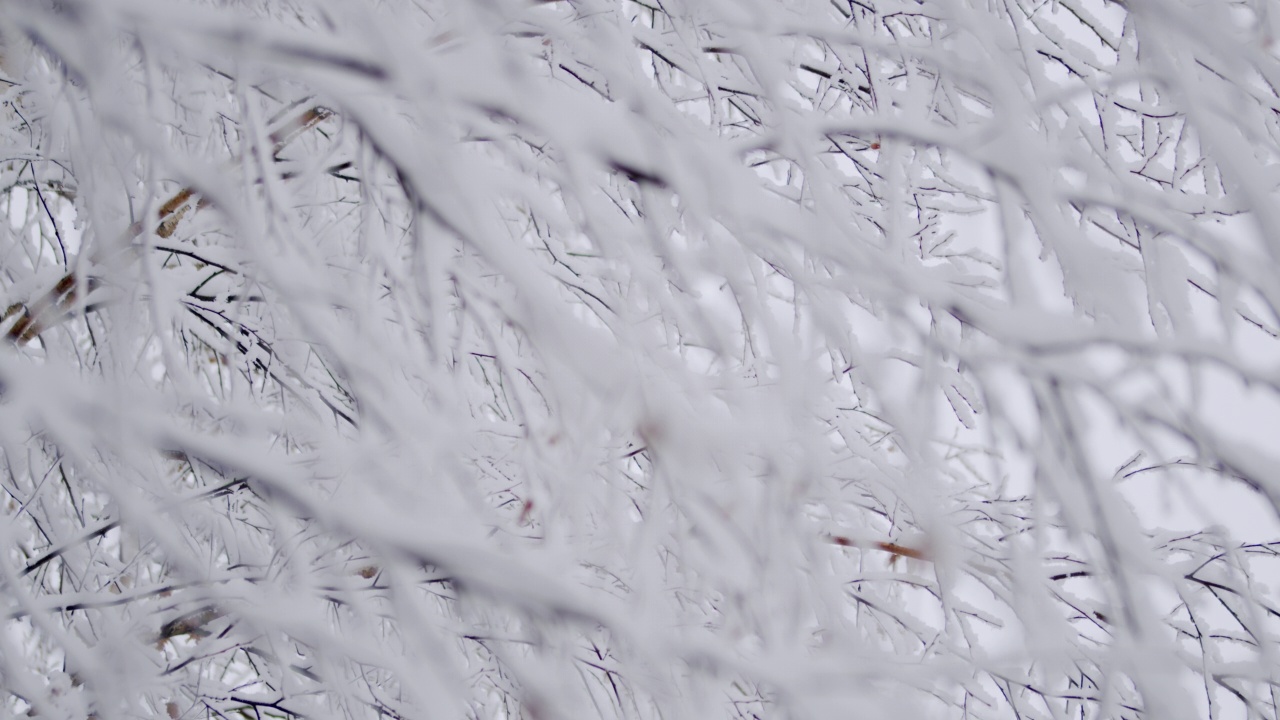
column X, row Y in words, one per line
column 892, row 548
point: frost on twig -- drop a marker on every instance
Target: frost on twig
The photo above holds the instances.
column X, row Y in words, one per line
column 638, row 359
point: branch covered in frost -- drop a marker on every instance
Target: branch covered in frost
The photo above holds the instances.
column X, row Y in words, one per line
column 636, row 359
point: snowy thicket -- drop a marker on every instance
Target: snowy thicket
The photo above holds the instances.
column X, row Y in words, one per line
column 639, row 358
